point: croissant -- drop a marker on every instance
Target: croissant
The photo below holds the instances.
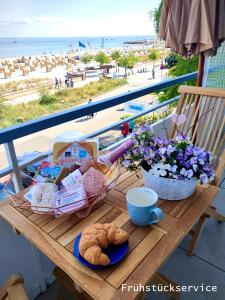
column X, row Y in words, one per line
column 97, row 237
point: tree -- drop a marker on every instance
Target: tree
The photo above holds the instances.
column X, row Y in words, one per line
column 86, row 58
column 156, row 16
column 153, row 56
column 102, row 58
column 182, row 67
column 171, row 60
column 127, row 61
column 116, row 54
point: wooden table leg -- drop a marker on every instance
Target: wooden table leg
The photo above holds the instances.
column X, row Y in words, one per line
column 196, row 234
column 67, row 284
column 162, row 280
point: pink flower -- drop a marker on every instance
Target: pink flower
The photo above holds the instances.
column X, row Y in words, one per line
column 178, row 119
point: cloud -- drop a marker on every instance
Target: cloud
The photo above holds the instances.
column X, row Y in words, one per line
column 48, row 20
column 25, row 21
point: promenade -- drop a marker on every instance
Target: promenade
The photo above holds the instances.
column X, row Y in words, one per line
column 42, row 141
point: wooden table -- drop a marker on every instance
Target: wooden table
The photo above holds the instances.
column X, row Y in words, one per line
column 149, row 247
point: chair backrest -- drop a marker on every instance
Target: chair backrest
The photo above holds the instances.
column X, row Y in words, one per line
column 204, row 109
column 13, row 289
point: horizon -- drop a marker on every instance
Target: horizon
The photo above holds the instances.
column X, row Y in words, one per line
column 77, row 36
column 89, row 18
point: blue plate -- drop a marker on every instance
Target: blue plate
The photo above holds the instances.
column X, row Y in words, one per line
column 114, row 252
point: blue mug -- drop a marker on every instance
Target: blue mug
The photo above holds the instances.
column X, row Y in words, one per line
column 141, row 205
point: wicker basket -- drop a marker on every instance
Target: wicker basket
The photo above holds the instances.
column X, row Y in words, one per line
column 20, row 202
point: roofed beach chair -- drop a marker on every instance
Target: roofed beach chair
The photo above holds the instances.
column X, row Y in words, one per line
column 204, row 109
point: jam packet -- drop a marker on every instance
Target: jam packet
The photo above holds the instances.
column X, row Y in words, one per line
column 70, row 199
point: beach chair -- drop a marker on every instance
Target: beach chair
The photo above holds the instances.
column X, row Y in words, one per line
column 25, row 71
column 22, row 66
column 16, row 66
column 12, row 69
column 32, row 68
column 204, row 109
column 9, row 64
column 69, row 67
column 48, row 68
column 7, row 73
column 13, row 289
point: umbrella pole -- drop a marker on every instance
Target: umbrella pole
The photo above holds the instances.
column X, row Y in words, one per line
column 201, row 64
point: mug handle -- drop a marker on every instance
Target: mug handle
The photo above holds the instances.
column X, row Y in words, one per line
column 158, row 212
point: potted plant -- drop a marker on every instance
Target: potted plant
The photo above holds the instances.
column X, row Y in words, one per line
column 171, row 167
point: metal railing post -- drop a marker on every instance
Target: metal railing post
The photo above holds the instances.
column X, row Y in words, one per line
column 12, row 160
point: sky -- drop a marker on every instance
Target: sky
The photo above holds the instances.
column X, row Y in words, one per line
column 45, row 18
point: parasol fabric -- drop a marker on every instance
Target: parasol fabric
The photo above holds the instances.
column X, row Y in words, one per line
column 190, row 27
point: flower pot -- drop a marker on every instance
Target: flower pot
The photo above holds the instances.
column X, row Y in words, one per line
column 169, row 189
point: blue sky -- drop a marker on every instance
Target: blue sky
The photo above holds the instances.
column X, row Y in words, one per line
column 33, row 18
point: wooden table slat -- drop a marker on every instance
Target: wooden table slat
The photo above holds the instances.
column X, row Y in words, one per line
column 128, row 265
column 92, row 218
column 55, row 223
column 127, row 182
column 64, row 227
column 135, row 237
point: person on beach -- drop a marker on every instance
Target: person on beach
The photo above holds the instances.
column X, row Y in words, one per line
column 67, row 82
column 56, row 83
column 60, row 82
column 125, row 129
column 71, row 83
column 153, row 73
column 92, row 114
column 131, row 126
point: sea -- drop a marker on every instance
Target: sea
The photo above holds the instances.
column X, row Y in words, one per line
column 21, row 46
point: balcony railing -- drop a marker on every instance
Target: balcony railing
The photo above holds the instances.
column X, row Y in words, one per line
column 8, row 135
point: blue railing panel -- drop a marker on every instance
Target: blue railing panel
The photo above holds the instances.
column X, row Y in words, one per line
column 17, row 131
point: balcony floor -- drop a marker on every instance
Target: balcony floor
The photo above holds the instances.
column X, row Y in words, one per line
column 207, row 265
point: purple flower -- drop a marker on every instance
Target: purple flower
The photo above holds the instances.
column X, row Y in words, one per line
column 179, row 156
column 162, row 150
column 195, row 167
column 170, row 149
column 190, row 173
column 126, row 163
column 173, row 169
column 193, row 160
column 181, row 138
column 204, row 178
column 189, row 151
column 183, row 172
column 207, row 168
column 186, row 164
column 201, row 161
